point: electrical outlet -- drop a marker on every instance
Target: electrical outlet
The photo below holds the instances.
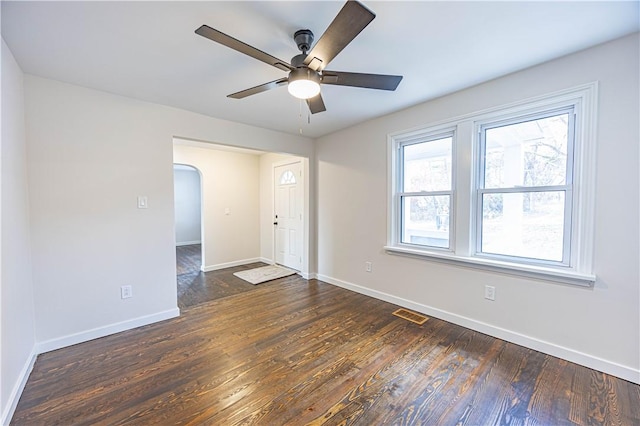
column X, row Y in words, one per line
column 489, row 292
column 367, row 266
column 126, row 292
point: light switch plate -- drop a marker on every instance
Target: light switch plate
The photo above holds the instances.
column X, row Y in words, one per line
column 142, row 202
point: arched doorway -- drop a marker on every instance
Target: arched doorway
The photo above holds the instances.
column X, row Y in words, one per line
column 188, row 218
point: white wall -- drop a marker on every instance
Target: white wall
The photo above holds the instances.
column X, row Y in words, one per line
column 90, row 155
column 231, row 201
column 186, row 185
column 599, row 327
column 17, row 315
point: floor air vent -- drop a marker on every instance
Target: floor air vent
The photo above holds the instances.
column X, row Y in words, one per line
column 411, row 316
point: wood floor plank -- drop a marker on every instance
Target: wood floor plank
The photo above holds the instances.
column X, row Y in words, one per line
column 295, row 352
column 455, row 396
column 434, row 384
column 550, row 402
column 188, row 259
column 359, row 363
column 322, row 366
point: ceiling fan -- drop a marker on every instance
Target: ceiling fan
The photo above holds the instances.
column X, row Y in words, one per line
column 307, row 70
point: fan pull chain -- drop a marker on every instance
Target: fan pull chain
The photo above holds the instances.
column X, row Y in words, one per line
column 300, row 116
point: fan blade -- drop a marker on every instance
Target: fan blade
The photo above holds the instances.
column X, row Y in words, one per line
column 368, row 81
column 316, row 104
column 352, row 18
column 226, row 40
column 259, row 89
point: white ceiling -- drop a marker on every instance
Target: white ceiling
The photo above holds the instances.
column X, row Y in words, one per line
column 149, row 51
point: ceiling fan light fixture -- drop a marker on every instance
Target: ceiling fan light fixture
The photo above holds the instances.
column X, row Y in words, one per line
column 303, row 83
column 307, row 69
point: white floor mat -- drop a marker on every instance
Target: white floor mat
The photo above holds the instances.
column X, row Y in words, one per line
column 264, row 273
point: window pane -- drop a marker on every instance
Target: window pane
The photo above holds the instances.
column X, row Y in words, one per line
column 427, row 166
column 425, row 220
column 287, row 178
column 524, row 224
column 530, row 153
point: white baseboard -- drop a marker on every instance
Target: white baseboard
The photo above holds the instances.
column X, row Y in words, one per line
column 188, row 243
column 210, row 268
column 606, row 366
column 84, row 336
column 16, row 392
column 309, row 275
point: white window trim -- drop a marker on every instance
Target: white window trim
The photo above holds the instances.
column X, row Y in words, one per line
column 462, row 243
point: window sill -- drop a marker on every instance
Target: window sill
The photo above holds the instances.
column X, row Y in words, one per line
column 529, row 271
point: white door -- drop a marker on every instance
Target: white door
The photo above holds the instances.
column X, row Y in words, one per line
column 288, row 215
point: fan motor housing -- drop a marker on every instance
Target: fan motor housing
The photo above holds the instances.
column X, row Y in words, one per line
column 304, row 73
column 303, row 39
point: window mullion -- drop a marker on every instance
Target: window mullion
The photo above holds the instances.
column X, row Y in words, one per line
column 425, row 193
column 463, row 187
column 524, row 189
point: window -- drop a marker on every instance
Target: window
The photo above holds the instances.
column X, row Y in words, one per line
column 524, row 191
column 287, row 178
column 517, row 180
column 426, row 191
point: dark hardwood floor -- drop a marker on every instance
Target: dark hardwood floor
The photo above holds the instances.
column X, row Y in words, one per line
column 195, row 287
column 188, row 259
column 299, row 352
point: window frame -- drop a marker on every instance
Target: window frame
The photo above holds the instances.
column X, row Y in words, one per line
column 401, row 194
column 567, row 188
column 578, row 270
